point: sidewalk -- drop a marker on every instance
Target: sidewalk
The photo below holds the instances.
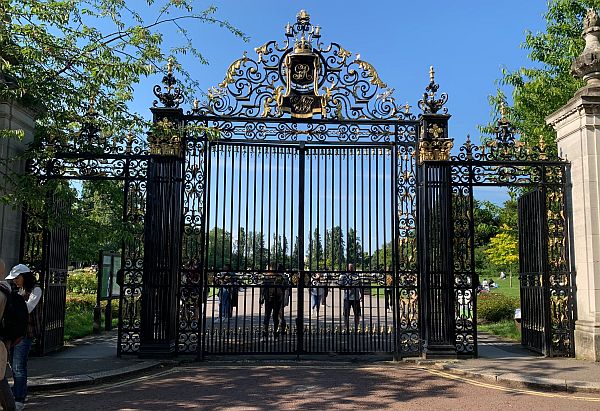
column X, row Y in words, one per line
column 94, row 359
column 508, row 363
column 89, row 360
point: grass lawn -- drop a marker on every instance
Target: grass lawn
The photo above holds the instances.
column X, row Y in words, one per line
column 79, row 323
column 504, row 285
column 505, row 328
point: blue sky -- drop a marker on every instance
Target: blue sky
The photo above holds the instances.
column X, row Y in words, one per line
column 467, row 41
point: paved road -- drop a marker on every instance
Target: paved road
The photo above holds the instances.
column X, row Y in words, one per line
column 313, row 386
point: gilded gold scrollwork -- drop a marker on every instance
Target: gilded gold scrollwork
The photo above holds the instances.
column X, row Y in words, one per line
column 232, row 71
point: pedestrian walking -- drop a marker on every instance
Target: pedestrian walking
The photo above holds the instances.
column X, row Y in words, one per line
column 389, row 292
column 234, row 293
column 287, row 297
column 352, row 296
column 224, row 293
column 317, row 293
column 7, row 400
column 25, row 280
column 271, row 296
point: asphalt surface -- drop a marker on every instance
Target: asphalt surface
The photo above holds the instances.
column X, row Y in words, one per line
column 316, row 386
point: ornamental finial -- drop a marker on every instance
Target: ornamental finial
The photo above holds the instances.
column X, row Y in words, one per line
column 587, row 65
column 430, row 104
column 591, row 19
column 303, row 17
column 503, row 110
column 172, row 96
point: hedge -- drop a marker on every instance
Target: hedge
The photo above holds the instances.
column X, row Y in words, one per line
column 84, row 281
column 495, row 307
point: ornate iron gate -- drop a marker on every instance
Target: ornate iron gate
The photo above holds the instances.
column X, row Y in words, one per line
column 45, row 247
column 293, row 192
column 45, row 237
column 533, row 274
column 263, row 214
column 547, row 292
column 239, row 220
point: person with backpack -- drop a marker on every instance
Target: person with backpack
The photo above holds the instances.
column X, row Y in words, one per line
column 7, row 400
column 24, row 279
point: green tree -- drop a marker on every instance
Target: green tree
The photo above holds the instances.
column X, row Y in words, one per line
column 295, row 254
column 315, row 250
column 219, row 251
column 334, row 252
column 57, row 55
column 539, row 90
column 96, row 222
column 279, row 250
column 354, row 248
column 258, row 253
column 382, row 258
column 503, row 250
column 486, row 216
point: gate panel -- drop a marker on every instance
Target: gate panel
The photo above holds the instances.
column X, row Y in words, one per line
column 465, row 277
column 533, row 272
column 405, row 284
column 260, row 259
column 54, row 275
column 251, row 258
column 349, row 254
column 190, row 296
column 131, row 274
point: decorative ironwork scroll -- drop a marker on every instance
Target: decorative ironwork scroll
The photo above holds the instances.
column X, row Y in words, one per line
column 302, row 76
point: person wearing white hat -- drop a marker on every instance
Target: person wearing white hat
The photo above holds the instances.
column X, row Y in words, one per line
column 24, row 279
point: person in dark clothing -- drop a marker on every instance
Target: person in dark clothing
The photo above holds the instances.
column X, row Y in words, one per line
column 287, row 290
column 224, row 293
column 353, row 295
column 272, row 293
column 233, row 295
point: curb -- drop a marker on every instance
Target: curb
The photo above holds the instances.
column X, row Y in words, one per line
column 57, row 383
column 514, row 380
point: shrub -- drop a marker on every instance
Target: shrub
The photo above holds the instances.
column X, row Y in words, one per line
column 84, row 281
column 494, row 307
column 80, row 302
column 79, row 318
column 87, row 302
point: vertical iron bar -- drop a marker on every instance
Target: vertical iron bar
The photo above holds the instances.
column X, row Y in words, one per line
column 300, row 318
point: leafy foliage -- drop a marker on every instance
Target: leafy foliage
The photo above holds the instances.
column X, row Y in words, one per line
column 58, row 55
column 486, row 216
column 503, row 249
column 83, row 281
column 494, row 307
column 540, row 90
column 96, row 222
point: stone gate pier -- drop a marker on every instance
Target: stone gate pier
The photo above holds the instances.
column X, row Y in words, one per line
column 577, row 126
column 12, row 117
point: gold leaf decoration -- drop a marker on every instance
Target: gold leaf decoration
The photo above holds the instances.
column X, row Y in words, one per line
column 232, row 70
column 368, row 67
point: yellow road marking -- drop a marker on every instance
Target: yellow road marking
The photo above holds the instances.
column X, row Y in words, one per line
column 442, row 374
column 446, row 375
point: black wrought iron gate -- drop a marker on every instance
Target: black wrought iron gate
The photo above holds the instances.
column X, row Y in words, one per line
column 547, row 277
column 287, row 223
column 283, row 215
column 533, row 273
